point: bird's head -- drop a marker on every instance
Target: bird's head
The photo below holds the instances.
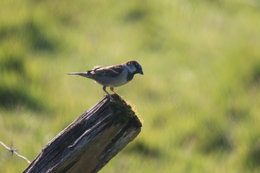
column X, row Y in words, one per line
column 134, row 67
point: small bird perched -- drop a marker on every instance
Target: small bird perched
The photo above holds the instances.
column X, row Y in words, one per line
column 112, row 76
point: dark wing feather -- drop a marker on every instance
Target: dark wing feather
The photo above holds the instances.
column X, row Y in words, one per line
column 110, row 71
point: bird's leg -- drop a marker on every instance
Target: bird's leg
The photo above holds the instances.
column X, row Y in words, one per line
column 104, row 88
column 112, row 89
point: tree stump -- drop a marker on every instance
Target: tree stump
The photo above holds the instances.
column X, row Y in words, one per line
column 90, row 141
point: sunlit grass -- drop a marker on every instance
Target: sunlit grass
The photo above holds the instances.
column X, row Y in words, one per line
column 198, row 100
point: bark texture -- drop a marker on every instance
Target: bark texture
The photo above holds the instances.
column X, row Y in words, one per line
column 90, row 141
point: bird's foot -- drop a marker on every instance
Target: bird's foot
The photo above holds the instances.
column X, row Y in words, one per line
column 112, row 89
column 109, row 96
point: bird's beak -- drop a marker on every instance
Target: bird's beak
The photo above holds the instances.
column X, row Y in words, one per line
column 141, row 72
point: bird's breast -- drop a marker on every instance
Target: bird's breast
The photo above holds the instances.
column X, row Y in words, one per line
column 119, row 80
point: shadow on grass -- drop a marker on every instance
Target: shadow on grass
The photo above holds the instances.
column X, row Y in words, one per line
column 145, row 150
column 210, row 139
column 236, row 113
column 255, row 74
column 218, row 141
column 38, row 37
column 252, row 159
column 12, row 62
column 35, row 34
column 11, row 98
column 136, row 14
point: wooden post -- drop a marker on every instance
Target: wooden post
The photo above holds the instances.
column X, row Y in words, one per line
column 89, row 142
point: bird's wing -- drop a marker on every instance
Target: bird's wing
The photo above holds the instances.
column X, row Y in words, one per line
column 96, row 67
column 110, row 71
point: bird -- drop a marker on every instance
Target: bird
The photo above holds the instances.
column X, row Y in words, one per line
column 114, row 75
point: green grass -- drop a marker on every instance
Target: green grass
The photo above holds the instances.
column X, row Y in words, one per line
column 199, row 98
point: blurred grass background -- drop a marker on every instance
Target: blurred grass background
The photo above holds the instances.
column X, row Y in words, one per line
column 199, row 98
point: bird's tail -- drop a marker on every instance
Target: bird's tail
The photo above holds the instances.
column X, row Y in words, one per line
column 84, row 74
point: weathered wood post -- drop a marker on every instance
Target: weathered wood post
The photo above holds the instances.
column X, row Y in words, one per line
column 89, row 142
